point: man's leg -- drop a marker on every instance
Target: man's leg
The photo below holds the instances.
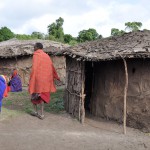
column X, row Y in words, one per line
column 41, row 116
column 35, row 112
column 35, row 107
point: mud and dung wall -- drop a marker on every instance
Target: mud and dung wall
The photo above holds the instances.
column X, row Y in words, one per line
column 23, row 65
column 108, row 92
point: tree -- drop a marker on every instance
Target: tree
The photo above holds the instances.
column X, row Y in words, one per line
column 6, row 34
column 116, row 32
column 68, row 38
column 52, row 29
column 23, row 37
column 59, row 22
column 55, row 30
column 37, row 35
column 87, row 35
column 100, row 36
column 73, row 42
column 133, row 26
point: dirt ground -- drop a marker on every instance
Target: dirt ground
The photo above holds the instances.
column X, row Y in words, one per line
column 61, row 132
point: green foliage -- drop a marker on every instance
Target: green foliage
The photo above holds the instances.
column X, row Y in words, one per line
column 73, row 42
column 6, row 34
column 34, row 35
column 60, row 34
column 52, row 29
column 59, row 22
column 55, row 33
column 52, row 38
column 116, row 32
column 46, row 37
column 37, row 35
column 68, row 38
column 100, row 36
column 133, row 26
column 87, row 35
column 55, row 30
column 23, row 37
column 130, row 26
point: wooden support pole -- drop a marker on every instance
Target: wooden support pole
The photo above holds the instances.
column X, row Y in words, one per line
column 83, row 95
column 82, row 103
column 125, row 97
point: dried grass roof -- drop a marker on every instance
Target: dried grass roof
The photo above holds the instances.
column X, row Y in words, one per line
column 15, row 48
column 130, row 45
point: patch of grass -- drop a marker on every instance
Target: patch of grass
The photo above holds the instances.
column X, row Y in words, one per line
column 56, row 102
column 6, row 113
column 17, row 101
column 20, row 101
column 56, row 105
column 8, row 102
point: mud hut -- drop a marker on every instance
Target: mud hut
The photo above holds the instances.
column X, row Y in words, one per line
column 18, row 54
column 110, row 78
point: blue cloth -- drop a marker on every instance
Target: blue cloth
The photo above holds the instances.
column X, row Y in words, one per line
column 16, row 84
column 2, row 89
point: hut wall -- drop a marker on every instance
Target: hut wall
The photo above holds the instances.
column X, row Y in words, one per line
column 23, row 64
column 73, row 86
column 107, row 97
column 60, row 66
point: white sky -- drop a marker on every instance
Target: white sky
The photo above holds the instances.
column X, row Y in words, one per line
column 26, row 16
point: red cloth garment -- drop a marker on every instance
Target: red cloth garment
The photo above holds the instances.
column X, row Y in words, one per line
column 8, row 88
column 42, row 74
column 43, row 97
column 6, row 91
column 14, row 73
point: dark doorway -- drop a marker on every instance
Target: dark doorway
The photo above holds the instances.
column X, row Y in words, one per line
column 88, row 85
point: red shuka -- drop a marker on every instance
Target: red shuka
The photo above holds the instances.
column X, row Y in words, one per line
column 42, row 74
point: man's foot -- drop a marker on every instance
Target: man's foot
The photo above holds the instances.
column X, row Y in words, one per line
column 34, row 114
column 40, row 116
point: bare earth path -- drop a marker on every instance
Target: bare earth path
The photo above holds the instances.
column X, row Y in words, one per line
column 61, row 132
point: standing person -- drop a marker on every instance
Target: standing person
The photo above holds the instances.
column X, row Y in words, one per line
column 2, row 89
column 42, row 78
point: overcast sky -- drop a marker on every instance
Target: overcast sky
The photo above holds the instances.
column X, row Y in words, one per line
column 26, row 16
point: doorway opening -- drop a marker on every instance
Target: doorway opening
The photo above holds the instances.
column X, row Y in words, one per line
column 88, row 86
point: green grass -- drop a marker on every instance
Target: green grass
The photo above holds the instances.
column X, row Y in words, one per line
column 6, row 114
column 56, row 102
column 20, row 101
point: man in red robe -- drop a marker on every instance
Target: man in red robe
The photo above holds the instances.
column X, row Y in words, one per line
column 42, row 77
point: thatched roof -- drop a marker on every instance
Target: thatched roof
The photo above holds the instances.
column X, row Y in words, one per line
column 15, row 48
column 130, row 45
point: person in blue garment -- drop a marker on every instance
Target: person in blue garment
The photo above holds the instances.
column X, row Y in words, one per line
column 2, row 89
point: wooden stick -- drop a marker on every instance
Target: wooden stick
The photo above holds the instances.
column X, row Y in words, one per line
column 73, row 93
column 80, row 107
column 83, row 96
column 125, row 96
column 74, row 71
